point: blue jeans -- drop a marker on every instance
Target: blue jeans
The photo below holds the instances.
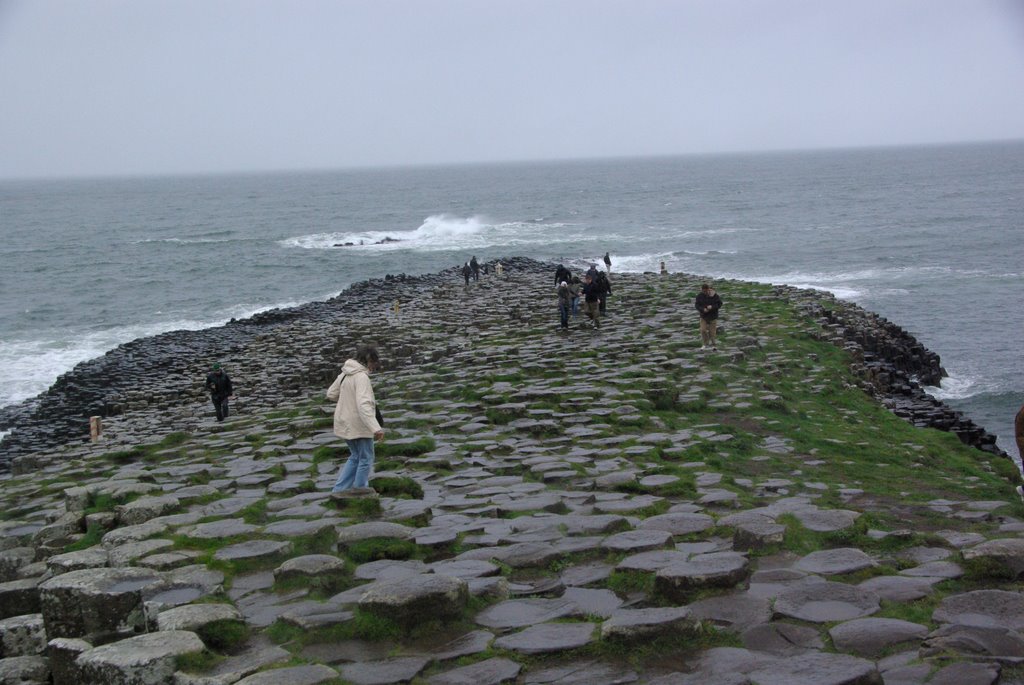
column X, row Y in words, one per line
column 356, row 471
column 575, row 306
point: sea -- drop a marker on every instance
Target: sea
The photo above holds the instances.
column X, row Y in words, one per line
column 930, row 237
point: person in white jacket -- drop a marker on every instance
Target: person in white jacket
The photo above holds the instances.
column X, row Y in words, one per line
column 355, row 418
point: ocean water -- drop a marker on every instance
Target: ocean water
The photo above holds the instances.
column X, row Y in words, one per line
column 929, row 237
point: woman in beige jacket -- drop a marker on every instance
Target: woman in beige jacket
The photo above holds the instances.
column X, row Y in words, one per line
column 355, row 419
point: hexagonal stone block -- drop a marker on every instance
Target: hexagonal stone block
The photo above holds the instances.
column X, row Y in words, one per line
column 717, row 569
column 145, row 508
column 93, row 557
column 25, row 670
column 825, row 602
column 830, row 562
column 517, row 613
column 826, row 520
column 1004, row 553
column 548, row 637
column 396, row 670
column 19, row 597
column 490, row 672
column 871, row 636
column 253, row 550
column 144, row 659
column 416, row 599
column 310, row 566
column 193, row 617
column 637, row 540
column 97, row 601
column 985, row 608
column 682, row 523
column 758, row 535
column 22, row 636
column 636, row 624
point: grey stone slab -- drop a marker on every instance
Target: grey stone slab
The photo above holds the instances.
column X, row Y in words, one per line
column 871, row 636
column 150, row 658
column 312, row 674
column 817, row 668
column 416, row 599
column 899, row 588
column 826, row 520
column 734, row 611
column 310, row 566
column 489, row 672
column 1007, row 553
column 640, row 624
column 828, row 562
column 637, row 541
column 192, row 617
column 934, row 569
column 717, row 569
column 975, row 641
column 652, row 561
column 826, row 602
column 386, row 672
column 782, row 638
column 585, row 672
column 679, row 523
column 545, row 638
column 984, row 608
column 966, row 674
column 22, row 636
column 253, row 549
column 518, row 613
column 587, row 573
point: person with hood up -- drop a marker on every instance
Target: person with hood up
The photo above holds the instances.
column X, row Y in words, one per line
column 357, row 420
column 475, row 267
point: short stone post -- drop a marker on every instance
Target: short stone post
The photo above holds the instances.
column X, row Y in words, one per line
column 95, row 428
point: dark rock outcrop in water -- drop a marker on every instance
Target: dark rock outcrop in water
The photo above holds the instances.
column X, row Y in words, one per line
column 284, row 353
column 895, row 367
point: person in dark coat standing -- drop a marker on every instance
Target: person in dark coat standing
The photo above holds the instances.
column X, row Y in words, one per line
column 591, row 301
column 475, row 266
column 607, row 262
column 219, row 386
column 707, row 305
column 604, row 287
column 467, row 271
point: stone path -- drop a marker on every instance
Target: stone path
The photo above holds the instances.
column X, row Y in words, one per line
column 591, row 507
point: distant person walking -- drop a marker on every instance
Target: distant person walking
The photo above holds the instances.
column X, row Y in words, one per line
column 607, row 262
column 707, row 305
column 467, row 271
column 475, row 266
column 591, row 301
column 219, row 386
column 564, row 303
column 357, row 420
column 562, row 274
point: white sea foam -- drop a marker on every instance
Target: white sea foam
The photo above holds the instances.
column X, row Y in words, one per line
column 443, row 232
column 955, row 388
column 29, row 367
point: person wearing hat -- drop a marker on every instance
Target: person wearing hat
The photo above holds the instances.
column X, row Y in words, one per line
column 219, row 385
column 356, row 420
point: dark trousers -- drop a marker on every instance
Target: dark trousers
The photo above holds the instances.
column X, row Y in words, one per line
column 563, row 312
column 220, row 405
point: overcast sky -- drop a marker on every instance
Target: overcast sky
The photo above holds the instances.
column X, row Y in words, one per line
column 103, row 87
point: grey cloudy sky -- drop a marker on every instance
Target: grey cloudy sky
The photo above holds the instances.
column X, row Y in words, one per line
column 105, row 87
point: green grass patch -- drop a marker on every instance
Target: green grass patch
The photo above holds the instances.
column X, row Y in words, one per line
column 224, row 636
column 405, row 449
column 93, row 535
column 397, row 486
column 374, row 549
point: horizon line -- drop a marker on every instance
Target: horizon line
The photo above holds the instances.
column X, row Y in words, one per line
column 479, row 163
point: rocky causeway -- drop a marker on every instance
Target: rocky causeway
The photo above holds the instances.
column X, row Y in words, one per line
column 588, row 507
